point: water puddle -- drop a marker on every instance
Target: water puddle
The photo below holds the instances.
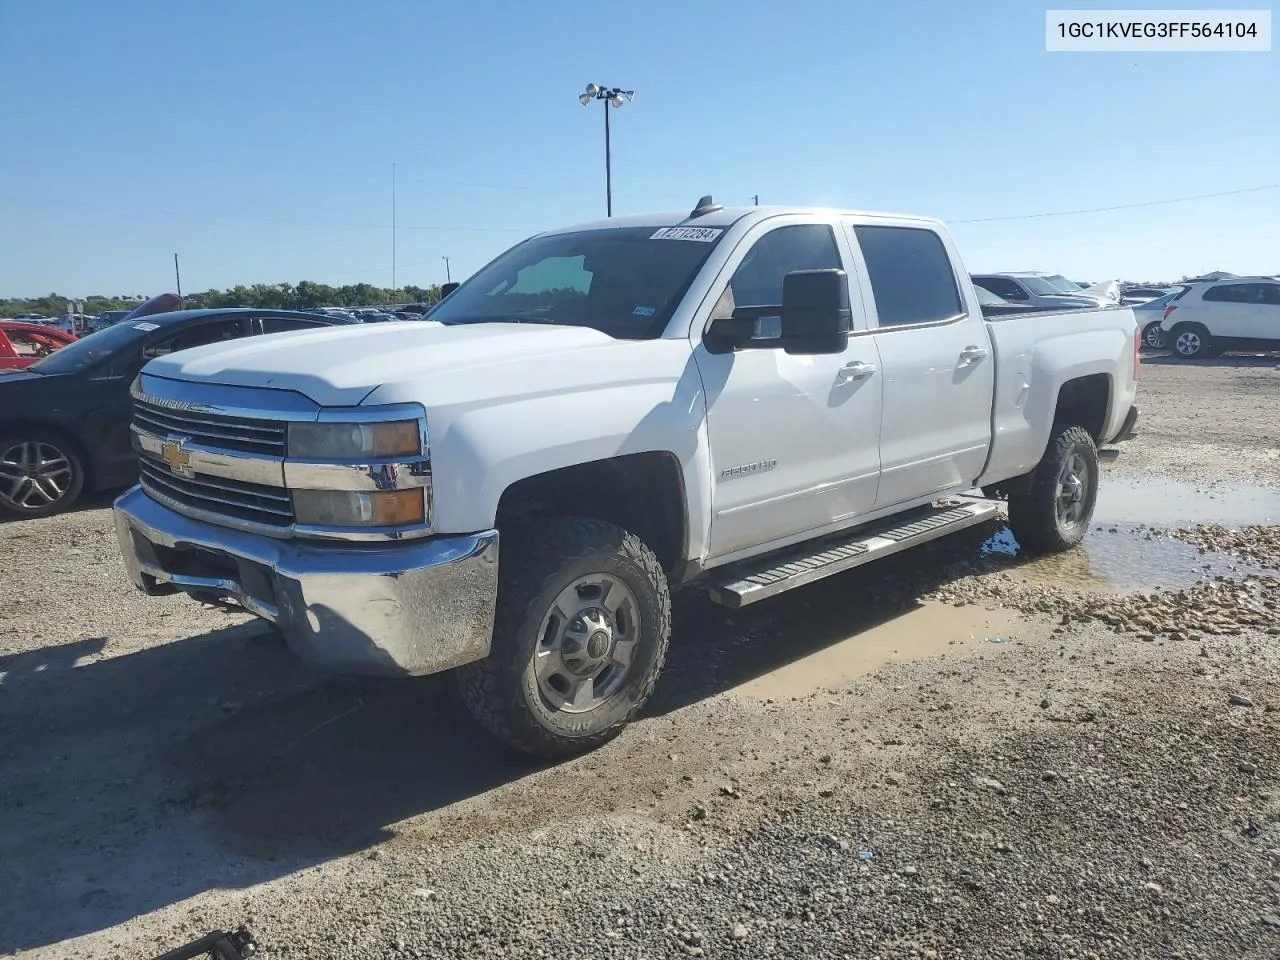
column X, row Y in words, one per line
column 1127, row 549
column 1172, row 503
column 1120, row 558
column 927, row 631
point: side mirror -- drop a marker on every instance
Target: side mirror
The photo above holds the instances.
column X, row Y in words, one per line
column 816, row 317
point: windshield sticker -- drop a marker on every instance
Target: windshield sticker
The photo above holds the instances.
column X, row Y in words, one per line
column 644, row 311
column 701, row 234
column 148, row 327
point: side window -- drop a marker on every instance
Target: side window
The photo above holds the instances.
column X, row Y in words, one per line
column 911, row 275
column 1270, row 294
column 194, row 337
column 1230, row 293
column 284, row 324
column 758, row 280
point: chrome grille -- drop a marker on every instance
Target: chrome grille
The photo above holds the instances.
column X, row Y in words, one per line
column 212, row 429
column 252, row 502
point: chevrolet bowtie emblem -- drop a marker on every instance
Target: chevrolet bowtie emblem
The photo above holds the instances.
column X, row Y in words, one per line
column 179, row 460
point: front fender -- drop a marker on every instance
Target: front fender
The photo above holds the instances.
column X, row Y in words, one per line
column 479, row 448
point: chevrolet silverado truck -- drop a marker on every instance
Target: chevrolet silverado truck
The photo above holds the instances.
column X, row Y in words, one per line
column 749, row 399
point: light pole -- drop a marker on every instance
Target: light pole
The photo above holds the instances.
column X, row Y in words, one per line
column 448, row 277
column 611, row 96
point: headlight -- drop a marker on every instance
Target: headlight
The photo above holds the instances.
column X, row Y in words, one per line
column 349, row 441
column 343, row 508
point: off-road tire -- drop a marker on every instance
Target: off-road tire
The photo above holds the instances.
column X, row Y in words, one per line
column 1034, row 516
column 536, row 563
column 73, row 482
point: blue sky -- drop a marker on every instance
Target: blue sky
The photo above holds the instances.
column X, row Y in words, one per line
column 257, row 139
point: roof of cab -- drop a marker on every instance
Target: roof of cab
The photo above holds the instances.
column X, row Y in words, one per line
column 722, row 218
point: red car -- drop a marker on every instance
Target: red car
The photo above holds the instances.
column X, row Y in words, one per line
column 22, row 344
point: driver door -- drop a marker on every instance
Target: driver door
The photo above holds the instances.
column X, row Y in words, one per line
column 794, row 440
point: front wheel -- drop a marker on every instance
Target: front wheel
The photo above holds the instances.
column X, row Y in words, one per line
column 1054, row 512
column 580, row 635
column 40, row 474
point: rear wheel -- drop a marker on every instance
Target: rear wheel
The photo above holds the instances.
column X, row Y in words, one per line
column 1191, row 341
column 40, row 474
column 1153, row 337
column 580, row 635
column 1054, row 513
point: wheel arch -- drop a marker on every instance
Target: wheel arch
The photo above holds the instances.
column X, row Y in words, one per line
column 643, row 493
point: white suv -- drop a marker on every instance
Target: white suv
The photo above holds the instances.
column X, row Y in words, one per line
column 1208, row 319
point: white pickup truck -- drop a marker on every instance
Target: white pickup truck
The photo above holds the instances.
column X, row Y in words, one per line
column 747, row 398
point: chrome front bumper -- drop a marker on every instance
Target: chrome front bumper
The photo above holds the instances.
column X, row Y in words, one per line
column 407, row 608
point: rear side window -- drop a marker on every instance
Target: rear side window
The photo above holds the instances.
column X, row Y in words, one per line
column 911, row 275
column 1235, row 293
column 1270, row 293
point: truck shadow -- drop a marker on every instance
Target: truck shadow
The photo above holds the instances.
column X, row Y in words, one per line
column 137, row 781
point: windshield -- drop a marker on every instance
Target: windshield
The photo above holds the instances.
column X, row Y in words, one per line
column 1040, row 287
column 624, row 282
column 987, row 298
column 1063, row 284
column 87, row 351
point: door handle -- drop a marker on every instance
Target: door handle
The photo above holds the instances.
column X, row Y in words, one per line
column 857, row 370
column 973, row 354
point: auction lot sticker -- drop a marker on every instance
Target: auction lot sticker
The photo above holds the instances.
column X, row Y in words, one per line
column 701, row 234
column 1158, row 31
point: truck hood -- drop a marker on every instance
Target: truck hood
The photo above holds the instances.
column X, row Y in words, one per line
column 340, row 366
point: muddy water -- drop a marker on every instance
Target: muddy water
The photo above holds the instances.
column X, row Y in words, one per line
column 1127, row 549
column 929, row 630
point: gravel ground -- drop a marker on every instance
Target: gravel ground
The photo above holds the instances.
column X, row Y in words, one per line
column 1053, row 766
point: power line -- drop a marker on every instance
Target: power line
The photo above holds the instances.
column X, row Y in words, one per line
column 1123, row 206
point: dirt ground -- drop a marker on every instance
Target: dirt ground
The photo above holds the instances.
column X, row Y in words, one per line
column 950, row 753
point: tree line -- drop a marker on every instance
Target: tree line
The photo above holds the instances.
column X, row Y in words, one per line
column 306, row 295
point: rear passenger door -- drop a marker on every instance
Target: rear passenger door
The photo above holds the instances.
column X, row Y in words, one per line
column 938, row 372
column 1231, row 309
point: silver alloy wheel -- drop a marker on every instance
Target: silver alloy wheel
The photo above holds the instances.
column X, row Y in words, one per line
column 587, row 643
column 34, row 475
column 1154, row 337
column 1188, row 343
column 1069, row 498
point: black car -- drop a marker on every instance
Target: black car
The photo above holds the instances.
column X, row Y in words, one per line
column 64, row 420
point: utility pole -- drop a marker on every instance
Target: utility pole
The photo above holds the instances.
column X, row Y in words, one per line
column 448, row 276
column 177, row 275
column 393, row 228
column 756, row 198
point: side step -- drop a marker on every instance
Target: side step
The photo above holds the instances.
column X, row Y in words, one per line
column 813, row 561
